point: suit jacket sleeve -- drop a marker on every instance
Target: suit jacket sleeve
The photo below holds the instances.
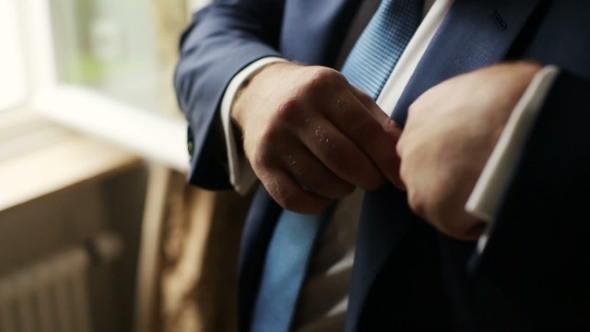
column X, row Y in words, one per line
column 224, row 38
column 538, row 247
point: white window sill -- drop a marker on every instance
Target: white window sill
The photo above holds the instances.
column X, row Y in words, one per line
column 71, row 162
column 153, row 137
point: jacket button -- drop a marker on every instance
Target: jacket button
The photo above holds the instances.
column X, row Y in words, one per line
column 190, row 146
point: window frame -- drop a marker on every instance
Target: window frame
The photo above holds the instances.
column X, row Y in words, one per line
column 155, row 137
column 12, row 65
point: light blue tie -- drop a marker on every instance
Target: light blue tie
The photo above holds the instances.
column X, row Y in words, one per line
column 368, row 67
column 381, row 44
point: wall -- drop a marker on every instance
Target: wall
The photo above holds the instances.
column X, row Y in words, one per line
column 46, row 225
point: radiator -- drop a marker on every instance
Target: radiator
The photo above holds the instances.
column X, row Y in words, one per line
column 52, row 295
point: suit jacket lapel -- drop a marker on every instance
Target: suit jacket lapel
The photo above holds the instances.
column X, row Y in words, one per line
column 474, row 34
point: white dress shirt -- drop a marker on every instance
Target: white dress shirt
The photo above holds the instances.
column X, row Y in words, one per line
column 324, row 296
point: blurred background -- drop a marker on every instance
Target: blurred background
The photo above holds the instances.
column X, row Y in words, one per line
column 98, row 230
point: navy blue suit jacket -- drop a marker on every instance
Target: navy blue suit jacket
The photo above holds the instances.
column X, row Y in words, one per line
column 532, row 274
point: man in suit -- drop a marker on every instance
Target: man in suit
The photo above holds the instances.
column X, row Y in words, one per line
column 476, row 223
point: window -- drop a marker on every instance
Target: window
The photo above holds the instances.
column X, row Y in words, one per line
column 105, row 67
column 12, row 73
column 102, row 67
column 110, row 46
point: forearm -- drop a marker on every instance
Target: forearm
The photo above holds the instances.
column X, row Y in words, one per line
column 224, row 39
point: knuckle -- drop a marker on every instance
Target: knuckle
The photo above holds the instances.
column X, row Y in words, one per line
column 323, row 77
column 399, row 147
column 271, row 133
column 260, row 158
column 267, row 135
column 417, row 203
column 289, row 110
column 403, row 172
column 413, row 109
column 423, row 103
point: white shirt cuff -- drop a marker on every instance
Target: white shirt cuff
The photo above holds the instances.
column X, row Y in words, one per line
column 241, row 174
column 491, row 186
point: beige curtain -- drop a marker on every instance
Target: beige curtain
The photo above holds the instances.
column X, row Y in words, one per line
column 200, row 255
column 201, row 229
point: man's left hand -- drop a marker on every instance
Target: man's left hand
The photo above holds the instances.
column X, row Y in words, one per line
column 449, row 135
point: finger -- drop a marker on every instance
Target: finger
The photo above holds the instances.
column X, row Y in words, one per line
column 392, row 129
column 339, row 154
column 475, row 232
column 311, row 173
column 466, row 230
column 388, row 124
column 289, row 194
column 360, row 125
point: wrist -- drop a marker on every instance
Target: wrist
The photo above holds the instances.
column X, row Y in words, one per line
column 253, row 89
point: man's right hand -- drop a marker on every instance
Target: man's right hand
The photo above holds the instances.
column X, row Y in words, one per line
column 311, row 137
